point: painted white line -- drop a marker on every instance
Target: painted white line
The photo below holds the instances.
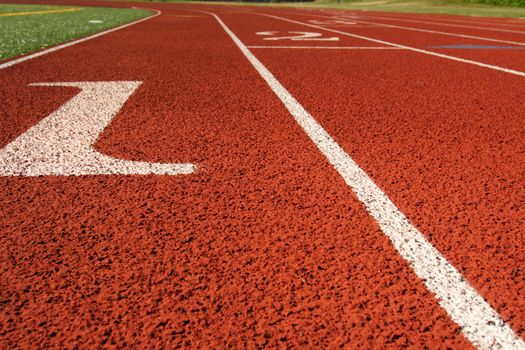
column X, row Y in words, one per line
column 410, row 48
column 351, row 26
column 498, row 21
column 447, row 24
column 437, row 32
column 328, row 47
column 507, row 23
column 298, row 36
column 445, row 33
column 479, row 321
column 71, row 43
column 62, row 143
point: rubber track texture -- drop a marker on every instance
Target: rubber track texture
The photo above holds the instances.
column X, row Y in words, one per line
column 264, row 245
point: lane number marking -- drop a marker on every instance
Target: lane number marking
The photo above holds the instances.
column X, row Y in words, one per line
column 62, row 143
column 297, row 36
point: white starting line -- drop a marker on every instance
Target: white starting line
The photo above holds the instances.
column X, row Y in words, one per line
column 327, row 47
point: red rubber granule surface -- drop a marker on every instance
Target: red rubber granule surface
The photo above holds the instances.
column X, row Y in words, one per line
column 265, row 245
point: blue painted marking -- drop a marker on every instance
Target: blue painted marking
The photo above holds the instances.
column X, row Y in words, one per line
column 473, row 46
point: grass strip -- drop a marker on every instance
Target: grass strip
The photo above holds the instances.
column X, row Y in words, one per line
column 52, row 25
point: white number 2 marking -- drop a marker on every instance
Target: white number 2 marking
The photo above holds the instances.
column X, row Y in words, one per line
column 62, row 143
column 298, row 36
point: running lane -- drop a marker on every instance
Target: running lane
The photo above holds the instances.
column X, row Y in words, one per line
column 443, row 139
column 489, row 25
column 506, row 50
column 495, row 22
column 264, row 245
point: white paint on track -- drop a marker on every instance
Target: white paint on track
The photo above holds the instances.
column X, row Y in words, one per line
column 298, row 36
column 472, row 20
column 410, row 48
column 62, row 143
column 448, row 24
column 479, row 322
column 327, row 47
column 481, row 38
column 71, row 43
column 519, row 43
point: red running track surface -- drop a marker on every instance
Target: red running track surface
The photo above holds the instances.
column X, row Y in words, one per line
column 264, row 245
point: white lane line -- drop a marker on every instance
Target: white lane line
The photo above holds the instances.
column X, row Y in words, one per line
column 445, row 33
column 508, row 22
column 410, row 48
column 327, row 47
column 448, row 24
column 298, row 36
column 480, row 22
column 62, row 143
column 433, row 31
column 479, row 321
column 71, row 43
column 499, row 21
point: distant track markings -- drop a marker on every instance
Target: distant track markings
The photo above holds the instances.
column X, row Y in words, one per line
column 325, row 47
column 509, row 22
column 295, row 36
column 449, row 25
column 475, row 37
column 410, row 48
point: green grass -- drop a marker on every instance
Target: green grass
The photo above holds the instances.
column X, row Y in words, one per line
column 23, row 34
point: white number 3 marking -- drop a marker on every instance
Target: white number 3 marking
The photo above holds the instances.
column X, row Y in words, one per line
column 298, row 36
column 62, row 143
